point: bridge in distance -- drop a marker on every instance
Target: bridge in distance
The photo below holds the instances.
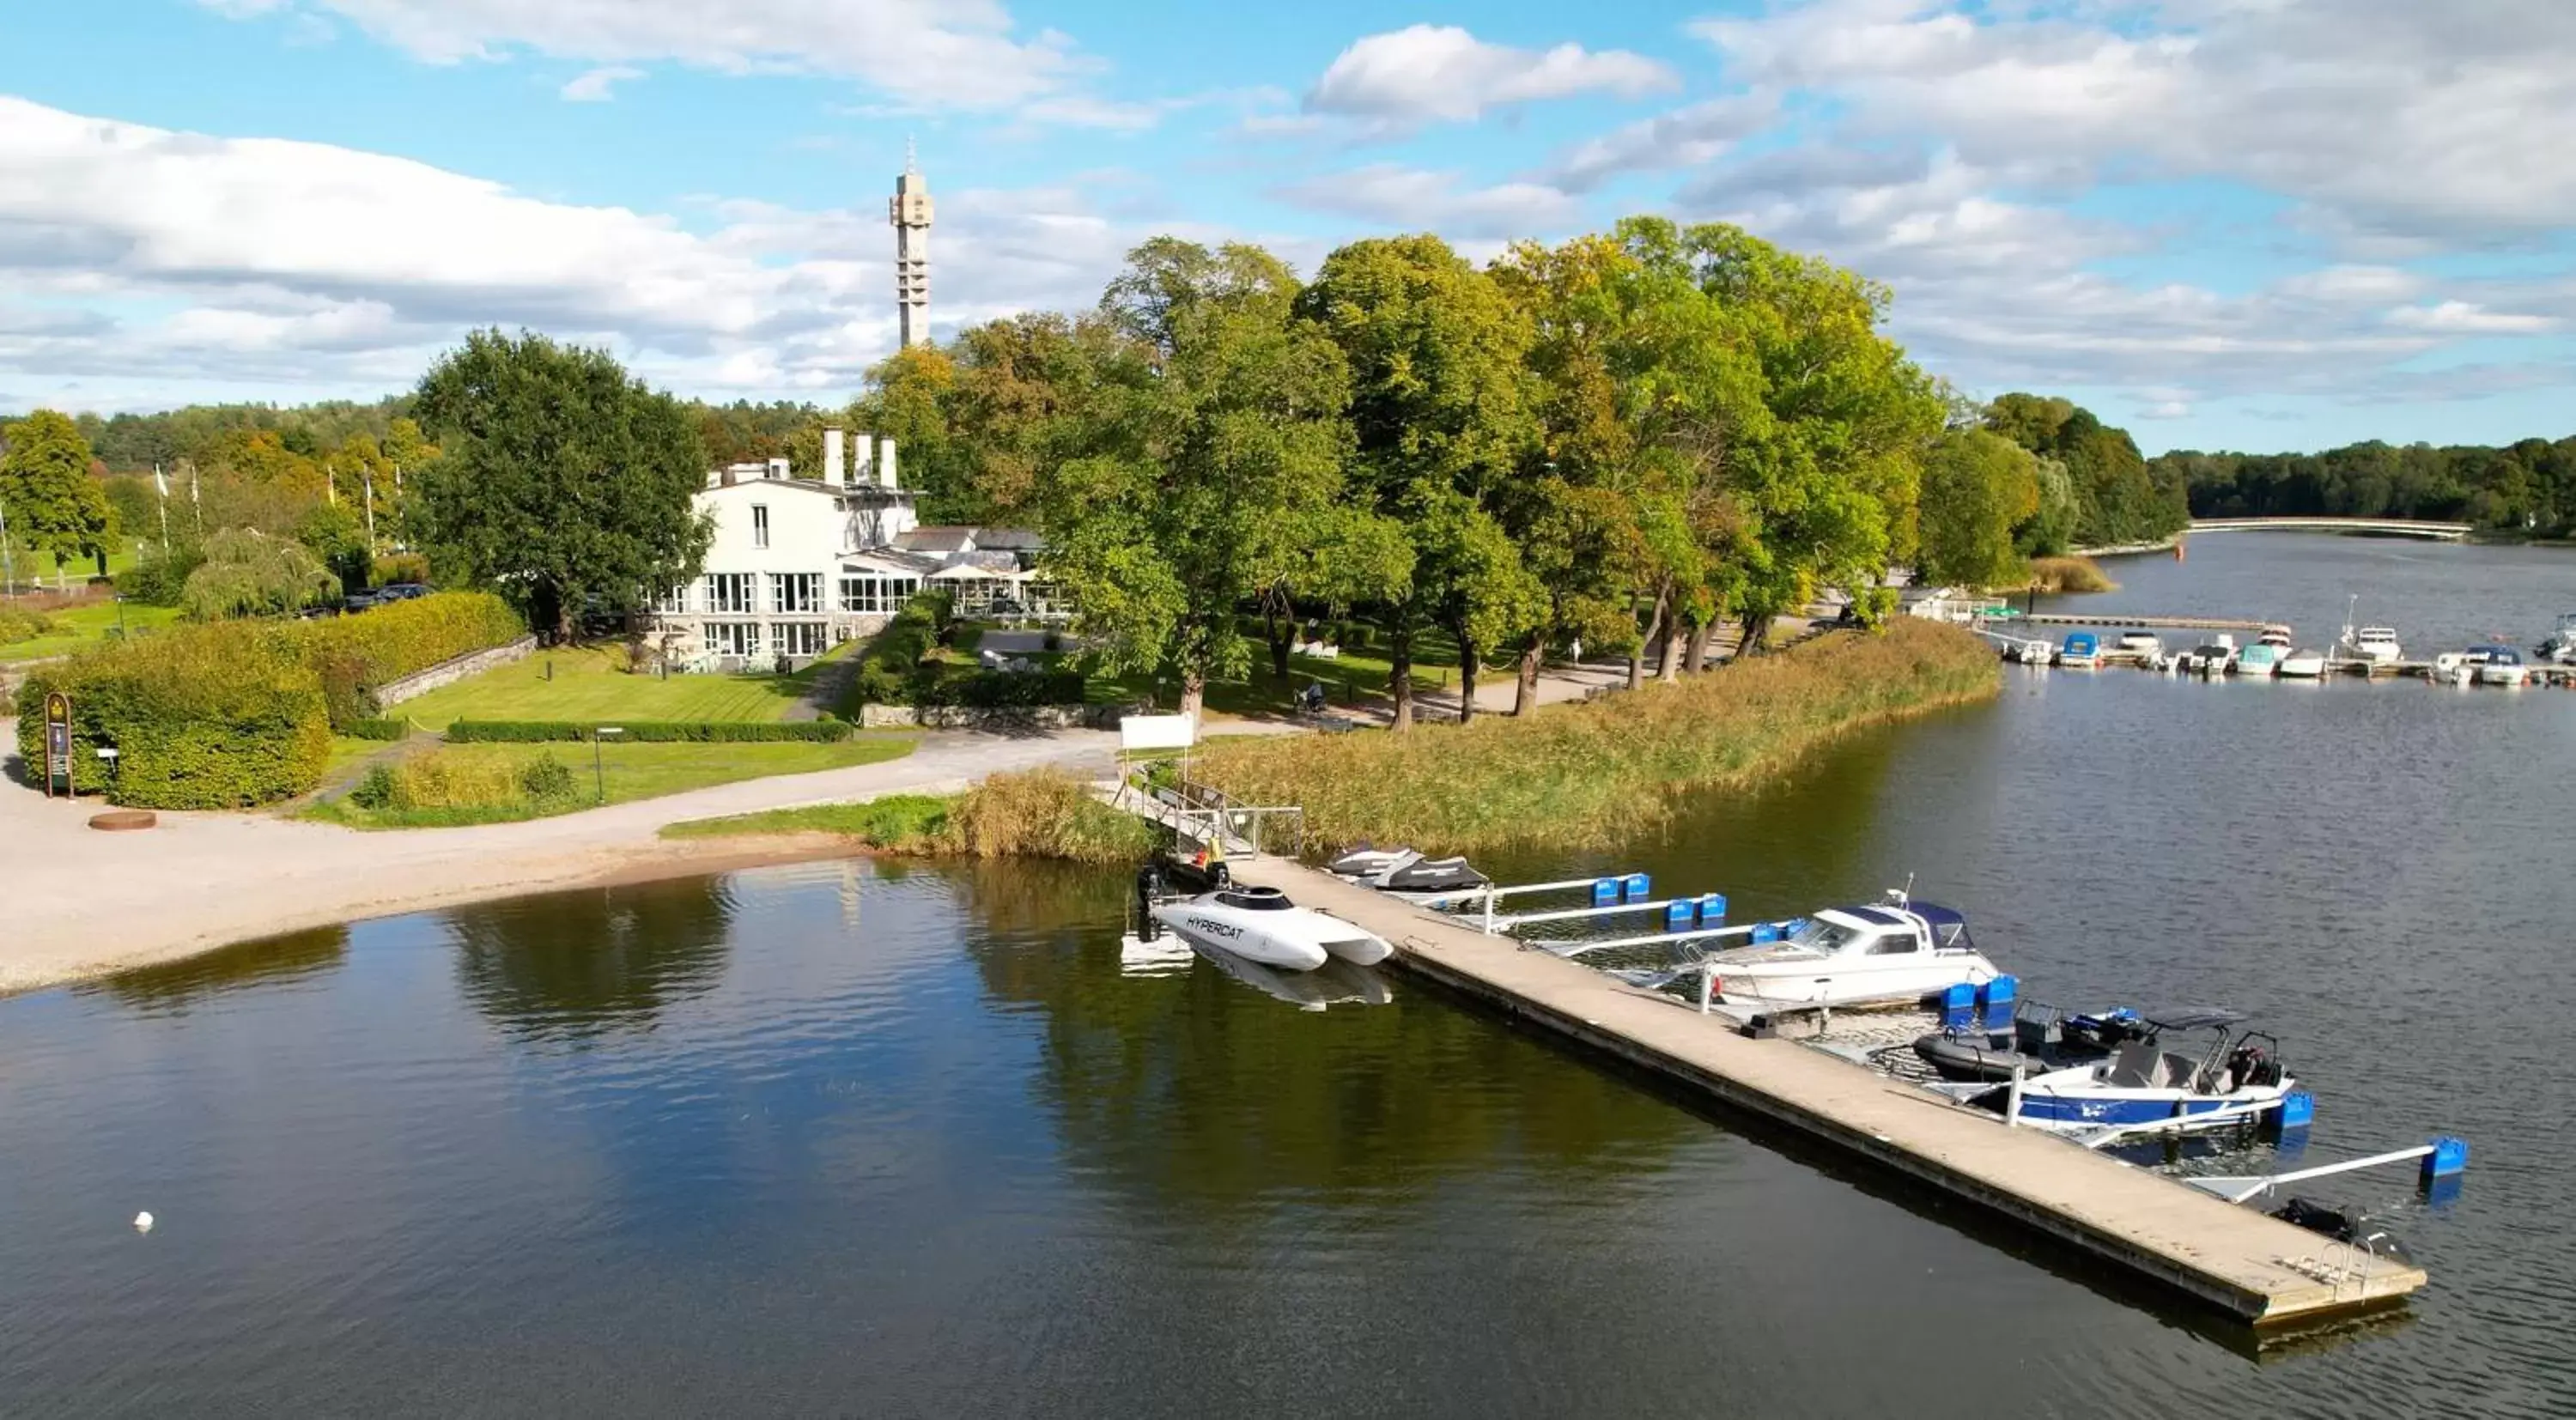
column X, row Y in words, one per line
column 2382, row 527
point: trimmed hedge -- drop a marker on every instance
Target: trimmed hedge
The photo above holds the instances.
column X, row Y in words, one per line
column 892, row 663
column 408, row 637
column 220, row 717
column 652, row 731
column 998, row 689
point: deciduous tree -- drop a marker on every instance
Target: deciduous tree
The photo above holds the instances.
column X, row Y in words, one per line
column 563, row 483
column 50, row 501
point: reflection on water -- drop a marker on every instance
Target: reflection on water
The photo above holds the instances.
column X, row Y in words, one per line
column 571, row 965
column 904, row 1138
column 175, row 986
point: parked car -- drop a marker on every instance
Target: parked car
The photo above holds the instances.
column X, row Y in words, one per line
column 363, row 601
column 401, row 591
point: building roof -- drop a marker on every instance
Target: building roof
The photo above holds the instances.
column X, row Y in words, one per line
column 893, row 560
column 1009, row 539
column 936, row 539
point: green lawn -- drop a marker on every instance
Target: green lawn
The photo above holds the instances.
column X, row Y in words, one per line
column 87, row 626
column 627, row 772
column 587, row 688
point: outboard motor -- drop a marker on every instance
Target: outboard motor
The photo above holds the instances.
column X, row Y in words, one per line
column 2251, row 1064
column 1149, row 887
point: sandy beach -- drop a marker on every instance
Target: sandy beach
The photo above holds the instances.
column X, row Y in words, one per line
column 82, row 903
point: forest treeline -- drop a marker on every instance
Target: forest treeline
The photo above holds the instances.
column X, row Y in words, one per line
column 2527, row 487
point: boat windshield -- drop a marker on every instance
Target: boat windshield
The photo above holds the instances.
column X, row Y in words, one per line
column 1256, row 900
column 1817, row 934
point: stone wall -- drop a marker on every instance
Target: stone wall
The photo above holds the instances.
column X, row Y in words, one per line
column 976, row 717
column 393, row 693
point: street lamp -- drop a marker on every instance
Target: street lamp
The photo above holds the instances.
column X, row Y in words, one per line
column 598, row 770
column 120, row 616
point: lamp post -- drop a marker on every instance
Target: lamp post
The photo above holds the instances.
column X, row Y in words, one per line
column 120, row 616
column 598, row 768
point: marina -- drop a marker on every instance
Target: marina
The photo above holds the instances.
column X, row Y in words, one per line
column 2257, row 1270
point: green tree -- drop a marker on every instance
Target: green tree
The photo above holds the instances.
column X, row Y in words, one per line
column 1441, row 423
column 1214, row 431
column 2118, row 499
column 562, row 483
column 1977, row 488
column 333, row 533
column 46, row 493
column 250, row 573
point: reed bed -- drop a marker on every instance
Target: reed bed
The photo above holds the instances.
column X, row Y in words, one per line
column 1577, row 776
column 1036, row 813
column 2069, row 574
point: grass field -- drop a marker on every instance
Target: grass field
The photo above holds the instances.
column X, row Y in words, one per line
column 86, row 626
column 627, row 771
column 587, row 688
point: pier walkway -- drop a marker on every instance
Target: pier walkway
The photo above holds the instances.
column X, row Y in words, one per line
column 2242, row 1263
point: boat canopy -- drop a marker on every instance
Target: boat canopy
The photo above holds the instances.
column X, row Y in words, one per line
column 2195, row 1018
column 1949, row 927
column 2083, row 643
column 1254, row 899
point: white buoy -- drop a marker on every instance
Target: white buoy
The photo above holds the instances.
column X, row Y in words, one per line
column 142, row 1222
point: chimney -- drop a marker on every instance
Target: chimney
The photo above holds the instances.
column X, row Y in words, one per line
column 862, row 459
column 832, row 456
column 723, row 478
column 779, row 468
column 885, row 463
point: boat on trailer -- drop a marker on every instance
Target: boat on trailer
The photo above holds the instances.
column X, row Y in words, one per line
column 2143, row 1085
column 1895, row 953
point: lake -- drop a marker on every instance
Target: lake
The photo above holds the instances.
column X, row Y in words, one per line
column 890, row 1139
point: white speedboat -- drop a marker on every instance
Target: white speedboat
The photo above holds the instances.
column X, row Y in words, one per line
column 2375, row 644
column 1260, row 925
column 2501, row 666
column 2302, row 665
column 2560, row 648
column 1895, row 953
column 2261, row 658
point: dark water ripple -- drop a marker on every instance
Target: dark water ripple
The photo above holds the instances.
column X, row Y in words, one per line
column 844, row 1139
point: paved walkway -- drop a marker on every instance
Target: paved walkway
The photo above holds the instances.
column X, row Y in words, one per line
column 82, row 902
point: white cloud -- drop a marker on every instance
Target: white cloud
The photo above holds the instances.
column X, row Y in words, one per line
column 962, row 54
column 1416, row 199
column 145, row 267
column 2390, row 117
column 1685, row 138
column 1426, row 73
column 595, row 86
column 2469, row 318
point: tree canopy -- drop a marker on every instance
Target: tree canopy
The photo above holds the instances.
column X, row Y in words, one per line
column 563, row 483
column 2118, row 499
column 50, row 501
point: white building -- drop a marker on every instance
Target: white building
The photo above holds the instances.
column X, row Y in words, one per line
column 799, row 565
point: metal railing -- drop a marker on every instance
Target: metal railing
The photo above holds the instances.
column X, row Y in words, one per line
column 1203, row 813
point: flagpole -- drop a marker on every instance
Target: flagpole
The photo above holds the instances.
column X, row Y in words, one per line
column 8, row 561
column 161, row 484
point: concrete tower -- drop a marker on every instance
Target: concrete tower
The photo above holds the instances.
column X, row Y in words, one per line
column 909, row 212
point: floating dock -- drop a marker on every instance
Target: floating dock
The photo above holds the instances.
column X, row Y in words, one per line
column 2241, row 1263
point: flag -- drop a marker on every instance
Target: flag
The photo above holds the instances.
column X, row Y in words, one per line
column 160, row 481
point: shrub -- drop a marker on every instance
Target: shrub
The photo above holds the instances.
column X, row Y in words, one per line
column 1001, row 689
column 161, row 578
column 375, row 790
column 20, row 625
column 222, row 717
column 249, row 573
column 902, row 658
column 439, row 780
column 1044, row 813
column 1054, row 641
column 392, row 567
column 394, row 641
column 546, row 778
column 652, row 731
column 2069, row 574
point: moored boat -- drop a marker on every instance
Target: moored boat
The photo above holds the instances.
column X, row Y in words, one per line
column 2560, row 648
column 2082, row 650
column 2040, row 1041
column 2302, row 665
column 2141, row 1083
column 2262, row 658
column 1895, row 953
column 2503, row 666
column 1258, row 924
column 2375, row 644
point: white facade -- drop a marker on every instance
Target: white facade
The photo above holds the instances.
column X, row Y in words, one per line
column 797, row 565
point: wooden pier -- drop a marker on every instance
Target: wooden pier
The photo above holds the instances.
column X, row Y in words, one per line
column 2238, row 1262
column 2114, row 621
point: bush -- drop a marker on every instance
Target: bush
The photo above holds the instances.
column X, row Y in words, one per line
column 405, row 638
column 375, row 790
column 450, row 781
column 220, row 717
column 902, row 657
column 387, row 730
column 249, row 573
column 1002, row 689
column 160, row 579
column 395, row 567
column 547, row 779
column 1044, row 813
column 651, row 731
column 20, row 625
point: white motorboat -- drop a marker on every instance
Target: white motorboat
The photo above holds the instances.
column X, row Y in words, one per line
column 2302, row 665
column 2261, row 658
column 2375, row 644
column 2144, row 1086
column 1895, row 953
column 1260, row 925
column 2502, row 666
column 2560, row 648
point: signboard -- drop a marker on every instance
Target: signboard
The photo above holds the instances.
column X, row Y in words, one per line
column 58, row 742
column 1155, row 732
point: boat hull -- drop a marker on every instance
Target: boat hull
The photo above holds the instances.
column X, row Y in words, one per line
column 1202, row 928
column 1789, row 984
column 2100, row 1108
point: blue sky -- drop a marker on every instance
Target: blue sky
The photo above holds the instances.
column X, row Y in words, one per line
column 2258, row 224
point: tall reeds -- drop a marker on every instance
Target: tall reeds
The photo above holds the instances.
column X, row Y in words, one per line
column 2069, row 574
column 1579, row 775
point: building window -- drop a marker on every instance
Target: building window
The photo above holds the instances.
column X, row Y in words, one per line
column 760, row 525
column 796, row 591
column 796, row 638
column 673, row 599
column 729, row 593
column 872, row 594
column 733, row 638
